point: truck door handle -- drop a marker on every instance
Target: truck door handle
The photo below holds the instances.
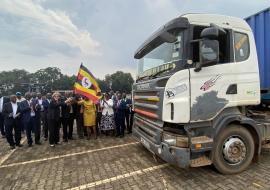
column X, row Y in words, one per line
column 232, row 89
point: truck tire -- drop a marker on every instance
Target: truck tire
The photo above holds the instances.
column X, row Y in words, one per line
column 234, row 150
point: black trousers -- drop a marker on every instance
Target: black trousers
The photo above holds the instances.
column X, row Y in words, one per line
column 131, row 121
column 45, row 125
column 2, row 128
column 21, row 124
column 15, row 125
column 98, row 121
column 127, row 120
column 37, row 128
column 79, row 123
column 29, row 127
column 70, row 125
column 120, row 124
column 64, row 124
column 54, row 127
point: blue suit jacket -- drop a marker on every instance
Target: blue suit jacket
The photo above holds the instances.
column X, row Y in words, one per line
column 45, row 104
column 121, row 109
column 35, row 104
column 25, row 110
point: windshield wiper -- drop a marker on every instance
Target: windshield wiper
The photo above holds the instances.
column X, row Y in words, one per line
column 154, row 75
column 160, row 72
column 140, row 78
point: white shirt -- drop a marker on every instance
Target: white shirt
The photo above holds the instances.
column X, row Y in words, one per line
column 71, row 109
column 107, row 107
column 14, row 108
column 40, row 103
column 1, row 104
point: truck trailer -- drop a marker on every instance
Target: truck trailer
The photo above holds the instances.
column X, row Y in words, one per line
column 201, row 96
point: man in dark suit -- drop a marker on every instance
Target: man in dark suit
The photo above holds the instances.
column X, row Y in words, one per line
column 127, row 113
column 79, row 117
column 120, row 116
column 36, row 117
column 3, row 100
column 67, row 119
column 12, row 113
column 19, row 100
column 28, row 108
column 46, row 104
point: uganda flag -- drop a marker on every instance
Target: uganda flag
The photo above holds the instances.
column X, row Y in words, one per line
column 86, row 84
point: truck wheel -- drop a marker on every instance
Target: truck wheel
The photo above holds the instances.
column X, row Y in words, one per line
column 234, row 150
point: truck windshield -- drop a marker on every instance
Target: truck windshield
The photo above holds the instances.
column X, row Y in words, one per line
column 161, row 58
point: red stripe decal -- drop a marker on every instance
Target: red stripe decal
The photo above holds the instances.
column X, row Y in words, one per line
column 149, row 114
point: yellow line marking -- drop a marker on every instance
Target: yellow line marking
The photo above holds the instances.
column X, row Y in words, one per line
column 256, row 184
column 115, row 178
column 66, row 155
column 2, row 160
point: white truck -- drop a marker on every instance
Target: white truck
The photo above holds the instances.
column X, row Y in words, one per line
column 197, row 96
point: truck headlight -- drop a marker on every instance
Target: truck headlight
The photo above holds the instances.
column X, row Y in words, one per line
column 169, row 139
column 175, row 140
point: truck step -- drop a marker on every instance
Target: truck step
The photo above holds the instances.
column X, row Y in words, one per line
column 266, row 147
column 201, row 161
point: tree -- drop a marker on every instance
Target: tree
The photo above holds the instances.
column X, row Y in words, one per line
column 120, row 81
column 51, row 78
column 103, row 85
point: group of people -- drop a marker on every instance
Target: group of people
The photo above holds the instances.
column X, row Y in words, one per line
column 46, row 115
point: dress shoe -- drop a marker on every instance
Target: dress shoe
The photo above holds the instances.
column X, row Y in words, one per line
column 12, row 147
column 38, row 143
column 30, row 145
column 19, row 145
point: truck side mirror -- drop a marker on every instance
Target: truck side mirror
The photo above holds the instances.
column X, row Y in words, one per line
column 209, row 53
column 210, row 33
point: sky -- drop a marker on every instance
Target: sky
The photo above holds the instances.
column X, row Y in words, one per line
column 103, row 34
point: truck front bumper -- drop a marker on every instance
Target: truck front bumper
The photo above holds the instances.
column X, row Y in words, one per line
column 173, row 155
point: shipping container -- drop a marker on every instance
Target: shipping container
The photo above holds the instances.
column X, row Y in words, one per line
column 260, row 25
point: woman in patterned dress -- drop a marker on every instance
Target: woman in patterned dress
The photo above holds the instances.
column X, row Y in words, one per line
column 89, row 116
column 107, row 119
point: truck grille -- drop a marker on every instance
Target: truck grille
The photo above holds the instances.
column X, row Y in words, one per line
column 147, row 104
column 148, row 114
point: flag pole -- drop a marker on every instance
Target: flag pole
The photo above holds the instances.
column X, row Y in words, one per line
column 77, row 78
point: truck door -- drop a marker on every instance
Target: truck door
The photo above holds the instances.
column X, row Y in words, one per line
column 234, row 81
column 208, row 86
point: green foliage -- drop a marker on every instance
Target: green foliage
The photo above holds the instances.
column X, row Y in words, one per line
column 51, row 78
column 120, row 81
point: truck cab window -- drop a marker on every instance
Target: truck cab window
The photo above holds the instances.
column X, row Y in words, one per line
column 241, row 46
column 224, row 45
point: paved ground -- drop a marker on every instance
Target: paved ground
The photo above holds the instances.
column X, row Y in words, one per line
column 113, row 163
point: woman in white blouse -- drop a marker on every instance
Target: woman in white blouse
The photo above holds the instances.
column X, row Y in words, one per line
column 107, row 119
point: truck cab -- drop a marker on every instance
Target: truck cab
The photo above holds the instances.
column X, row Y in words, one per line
column 197, row 79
